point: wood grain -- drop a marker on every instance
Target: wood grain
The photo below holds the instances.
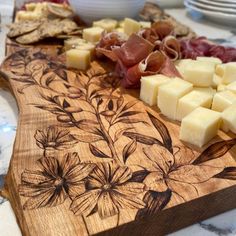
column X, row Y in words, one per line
column 91, row 159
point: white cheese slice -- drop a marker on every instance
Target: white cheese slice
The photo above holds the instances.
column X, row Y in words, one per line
column 149, row 88
column 200, row 126
column 223, row 100
column 191, row 101
column 229, row 119
column 170, row 93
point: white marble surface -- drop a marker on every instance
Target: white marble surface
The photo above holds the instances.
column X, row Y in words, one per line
column 224, row 224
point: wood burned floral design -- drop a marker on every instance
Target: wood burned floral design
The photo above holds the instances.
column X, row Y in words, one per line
column 108, row 190
column 53, row 182
column 55, row 138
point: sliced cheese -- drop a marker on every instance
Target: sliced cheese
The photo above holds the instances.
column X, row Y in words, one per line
column 150, row 86
column 199, row 73
column 191, row 101
column 200, row 126
column 78, row 59
column 92, row 34
column 131, row 26
column 229, row 119
column 223, row 100
column 170, row 93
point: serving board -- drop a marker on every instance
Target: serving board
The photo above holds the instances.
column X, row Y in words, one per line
column 91, row 159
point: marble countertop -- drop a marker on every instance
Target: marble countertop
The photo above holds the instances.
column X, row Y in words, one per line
column 224, row 224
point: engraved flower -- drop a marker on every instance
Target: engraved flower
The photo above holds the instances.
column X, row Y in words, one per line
column 53, row 181
column 176, row 172
column 54, row 138
column 108, row 190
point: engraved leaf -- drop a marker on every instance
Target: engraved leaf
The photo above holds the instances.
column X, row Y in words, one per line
column 97, row 152
column 120, row 132
column 51, row 108
column 110, row 105
column 227, row 173
column 49, row 79
column 65, row 104
column 155, row 202
column 88, row 138
column 62, row 74
column 141, row 138
column 129, row 149
column 215, row 151
column 127, row 120
column 129, row 105
column 120, row 101
column 108, row 113
column 139, row 176
column 129, row 113
column 163, row 131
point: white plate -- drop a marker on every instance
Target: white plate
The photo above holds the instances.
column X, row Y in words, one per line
column 218, row 4
column 224, row 1
column 212, row 8
column 222, row 18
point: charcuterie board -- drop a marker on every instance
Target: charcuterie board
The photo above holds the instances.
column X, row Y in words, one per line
column 91, row 159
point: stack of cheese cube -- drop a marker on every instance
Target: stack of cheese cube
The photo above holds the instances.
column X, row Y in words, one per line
column 80, row 51
column 204, row 100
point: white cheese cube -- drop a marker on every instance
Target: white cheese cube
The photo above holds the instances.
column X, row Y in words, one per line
column 229, row 119
column 73, row 42
column 221, row 87
column 121, row 23
column 191, row 101
column 213, row 60
column 92, row 34
column 181, row 70
column 131, row 26
column 121, row 30
column 217, row 80
column 170, row 93
column 230, row 73
column 200, row 126
column 232, row 87
column 220, row 70
column 106, row 24
column 209, row 91
column 199, row 73
column 223, row 100
column 149, row 88
column 78, row 59
column 145, row 24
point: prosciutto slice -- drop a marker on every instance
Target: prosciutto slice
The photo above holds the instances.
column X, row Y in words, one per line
column 134, row 50
column 155, row 63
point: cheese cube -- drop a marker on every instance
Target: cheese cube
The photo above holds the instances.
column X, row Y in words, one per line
column 232, row 87
column 200, row 126
column 230, row 73
column 106, row 24
column 191, row 101
column 78, row 59
column 199, row 73
column 220, row 70
column 217, row 80
column 145, row 24
column 221, row 87
column 131, row 26
column 181, row 70
column 170, row 93
column 121, row 23
column 213, row 60
column 210, row 91
column 149, row 88
column 73, row 42
column 229, row 119
column 86, row 46
column 223, row 100
column 121, row 30
column 92, row 34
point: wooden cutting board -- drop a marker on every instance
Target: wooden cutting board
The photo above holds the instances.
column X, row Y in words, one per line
column 91, row 159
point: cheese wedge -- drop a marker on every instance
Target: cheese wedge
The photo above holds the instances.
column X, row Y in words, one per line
column 229, row 119
column 106, row 24
column 78, row 59
column 232, row 87
column 200, row 126
column 199, row 73
column 191, row 101
column 229, row 73
column 223, row 100
column 92, row 34
column 150, row 86
column 170, row 93
column 131, row 26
